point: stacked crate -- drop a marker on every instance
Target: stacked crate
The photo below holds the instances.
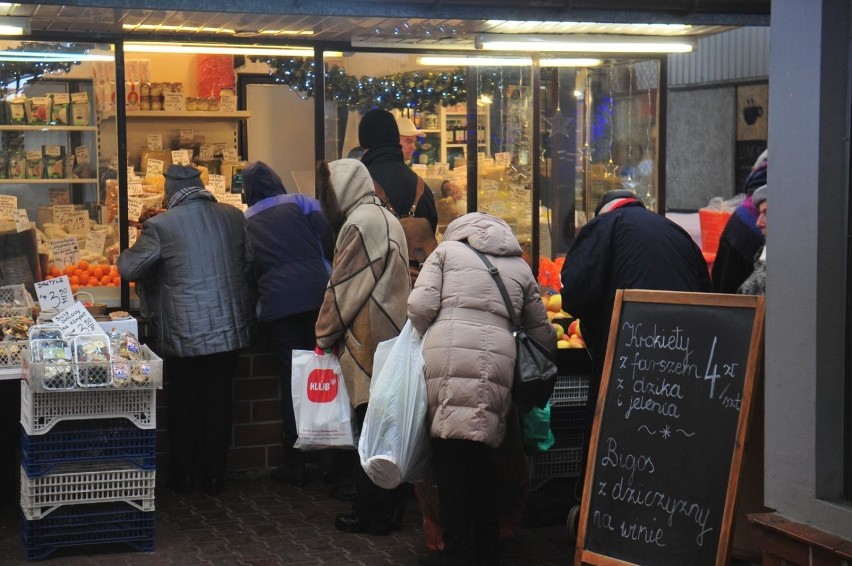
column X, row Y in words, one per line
column 88, row 453
column 555, row 473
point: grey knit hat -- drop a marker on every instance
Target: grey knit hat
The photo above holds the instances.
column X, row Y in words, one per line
column 758, row 196
column 179, row 177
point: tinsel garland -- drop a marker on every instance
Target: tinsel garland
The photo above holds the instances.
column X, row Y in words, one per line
column 14, row 71
column 424, row 90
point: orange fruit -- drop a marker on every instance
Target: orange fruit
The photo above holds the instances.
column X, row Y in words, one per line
column 83, row 264
column 74, row 280
column 75, row 288
column 116, row 279
column 111, row 285
column 84, row 279
column 69, row 270
column 78, row 272
column 97, row 272
column 106, row 280
column 55, row 271
column 49, row 277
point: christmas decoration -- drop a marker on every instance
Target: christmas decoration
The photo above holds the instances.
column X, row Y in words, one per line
column 15, row 71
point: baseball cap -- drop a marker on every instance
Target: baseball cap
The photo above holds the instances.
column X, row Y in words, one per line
column 406, row 128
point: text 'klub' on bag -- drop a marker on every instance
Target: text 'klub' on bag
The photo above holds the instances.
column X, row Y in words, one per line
column 324, row 416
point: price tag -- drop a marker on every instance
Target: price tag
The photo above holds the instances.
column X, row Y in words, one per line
column 61, row 212
column 205, row 152
column 187, row 137
column 22, row 221
column 181, row 156
column 54, row 294
column 134, row 208
column 8, row 206
column 66, row 251
column 502, row 159
column 95, row 241
column 58, row 196
column 80, row 97
column 490, row 186
column 77, row 320
column 77, row 223
column 52, row 150
column 154, row 167
column 228, row 103
column 69, row 165
column 217, row 184
column 219, row 147
column 232, row 199
column 134, row 185
column 155, row 141
column 173, row 102
column 132, row 234
column 230, row 154
column 82, row 153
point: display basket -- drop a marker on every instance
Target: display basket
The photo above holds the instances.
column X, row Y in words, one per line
column 146, row 373
column 568, row 425
column 13, row 354
column 41, row 410
column 84, row 525
column 555, row 463
column 570, row 391
column 15, row 300
column 79, row 442
column 42, row 495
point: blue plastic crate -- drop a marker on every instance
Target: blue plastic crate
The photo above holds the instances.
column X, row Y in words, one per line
column 84, row 525
column 76, row 442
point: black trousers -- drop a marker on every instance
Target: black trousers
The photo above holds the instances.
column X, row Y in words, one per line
column 294, row 332
column 372, row 502
column 200, row 412
column 466, row 472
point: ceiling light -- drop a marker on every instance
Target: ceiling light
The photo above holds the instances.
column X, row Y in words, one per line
column 50, row 57
column 569, row 62
column 473, row 61
column 217, row 49
column 583, row 43
column 180, row 28
column 514, row 26
column 10, row 25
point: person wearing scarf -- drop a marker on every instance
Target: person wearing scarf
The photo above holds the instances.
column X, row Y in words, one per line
column 193, row 267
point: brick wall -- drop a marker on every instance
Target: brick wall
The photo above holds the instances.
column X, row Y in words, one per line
column 257, row 432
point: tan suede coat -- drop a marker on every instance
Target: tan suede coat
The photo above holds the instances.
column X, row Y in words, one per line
column 365, row 301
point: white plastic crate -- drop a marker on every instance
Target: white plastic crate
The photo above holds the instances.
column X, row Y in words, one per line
column 75, row 376
column 15, row 300
column 41, row 495
column 555, row 463
column 12, row 354
column 41, row 410
column 570, row 391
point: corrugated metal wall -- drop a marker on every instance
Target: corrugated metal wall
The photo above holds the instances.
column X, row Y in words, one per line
column 735, row 55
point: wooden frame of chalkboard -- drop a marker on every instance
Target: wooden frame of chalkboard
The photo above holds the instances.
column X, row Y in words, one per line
column 667, row 441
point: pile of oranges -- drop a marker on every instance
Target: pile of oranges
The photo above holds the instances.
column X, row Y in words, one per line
column 84, row 274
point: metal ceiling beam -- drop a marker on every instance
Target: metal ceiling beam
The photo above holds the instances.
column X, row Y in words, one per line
column 695, row 12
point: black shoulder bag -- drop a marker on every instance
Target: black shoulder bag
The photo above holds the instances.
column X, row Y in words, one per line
column 535, row 370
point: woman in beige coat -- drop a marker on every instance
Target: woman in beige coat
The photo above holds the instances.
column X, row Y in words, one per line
column 469, row 358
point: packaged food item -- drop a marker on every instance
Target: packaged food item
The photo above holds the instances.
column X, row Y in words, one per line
column 15, row 328
column 203, row 104
column 55, row 354
column 145, row 90
column 34, row 165
column 191, row 103
column 54, row 161
column 156, row 90
column 156, row 103
column 92, row 356
column 4, row 166
column 155, row 182
column 38, row 110
column 46, row 332
column 144, row 102
column 111, row 200
column 125, row 346
column 131, row 94
column 16, row 111
column 80, row 109
column 17, row 165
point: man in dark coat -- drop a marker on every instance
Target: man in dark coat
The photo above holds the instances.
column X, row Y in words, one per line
column 378, row 133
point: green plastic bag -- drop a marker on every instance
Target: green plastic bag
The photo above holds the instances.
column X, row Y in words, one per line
column 535, row 425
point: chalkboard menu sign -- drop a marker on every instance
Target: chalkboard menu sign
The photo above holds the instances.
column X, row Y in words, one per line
column 670, row 424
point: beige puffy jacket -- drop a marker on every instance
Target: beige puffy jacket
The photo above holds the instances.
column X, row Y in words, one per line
column 469, row 350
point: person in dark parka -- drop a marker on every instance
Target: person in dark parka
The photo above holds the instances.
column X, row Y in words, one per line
column 287, row 233
column 378, row 133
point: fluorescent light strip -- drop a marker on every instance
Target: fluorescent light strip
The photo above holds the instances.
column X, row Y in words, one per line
column 36, row 57
column 585, row 44
column 577, row 27
column 163, row 27
column 474, row 61
column 222, row 49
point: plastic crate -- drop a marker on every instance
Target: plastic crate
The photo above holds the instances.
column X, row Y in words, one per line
column 15, row 300
column 13, row 354
column 568, row 424
column 41, row 410
column 75, row 442
column 570, row 391
column 40, row 496
column 555, row 463
column 83, row 525
column 75, row 376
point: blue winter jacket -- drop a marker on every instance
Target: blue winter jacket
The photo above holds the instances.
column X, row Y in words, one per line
column 286, row 232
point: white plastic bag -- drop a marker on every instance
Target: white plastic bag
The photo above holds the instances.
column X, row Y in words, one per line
column 394, row 444
column 324, row 416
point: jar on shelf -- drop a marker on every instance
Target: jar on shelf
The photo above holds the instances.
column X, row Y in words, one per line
column 145, row 89
column 156, row 90
column 213, row 104
column 156, row 103
column 203, row 104
column 191, row 104
column 144, row 103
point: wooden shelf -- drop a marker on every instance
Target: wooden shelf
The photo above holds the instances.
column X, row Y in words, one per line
column 187, row 115
column 47, row 181
column 13, row 128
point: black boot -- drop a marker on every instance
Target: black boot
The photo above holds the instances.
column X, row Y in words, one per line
column 293, row 470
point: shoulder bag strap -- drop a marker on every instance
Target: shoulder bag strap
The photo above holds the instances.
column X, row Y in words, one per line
column 495, row 273
column 383, row 197
column 418, row 193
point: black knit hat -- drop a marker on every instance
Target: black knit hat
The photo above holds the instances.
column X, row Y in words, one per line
column 610, row 196
column 180, row 176
column 378, row 128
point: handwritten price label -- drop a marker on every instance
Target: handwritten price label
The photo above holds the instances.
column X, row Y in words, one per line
column 187, row 137
column 58, row 196
column 174, row 102
column 132, row 234
column 205, row 152
column 232, row 199
column 22, row 221
column 228, row 103
column 77, row 223
column 54, row 294
column 217, row 184
column 230, row 154
column 61, row 212
column 154, row 167
column 181, row 156
column 8, row 206
column 134, row 208
column 66, row 251
column 95, row 241
column 155, row 141
column 77, row 320
column 134, row 185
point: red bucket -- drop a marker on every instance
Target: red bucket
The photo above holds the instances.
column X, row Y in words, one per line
column 712, row 223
